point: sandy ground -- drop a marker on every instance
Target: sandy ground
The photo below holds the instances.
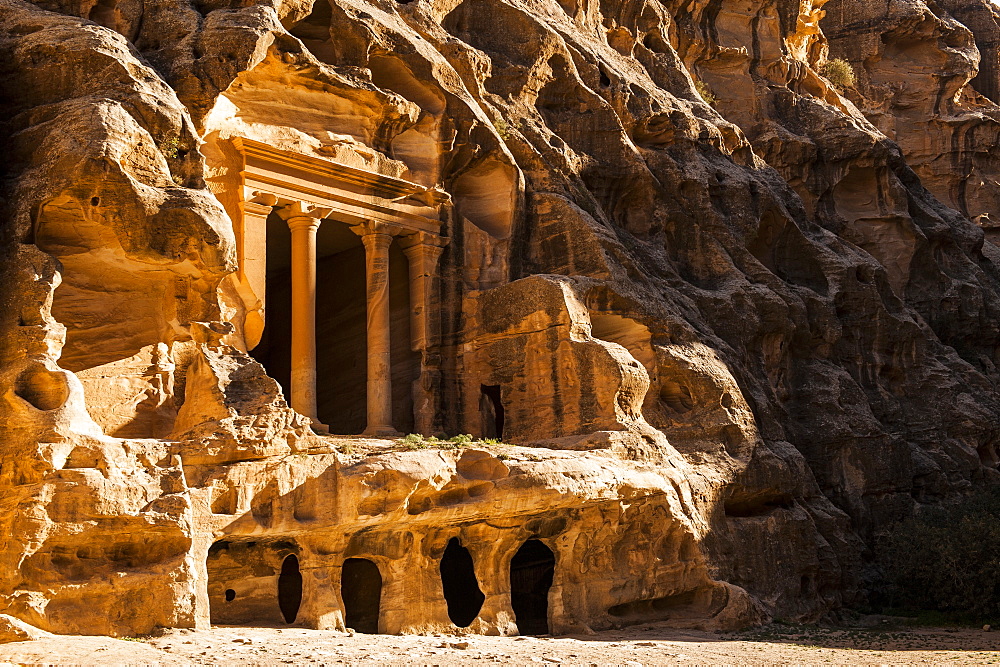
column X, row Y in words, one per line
column 642, row 645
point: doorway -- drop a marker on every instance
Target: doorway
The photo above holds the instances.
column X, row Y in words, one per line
column 491, row 411
column 531, row 572
column 461, row 588
column 290, row 588
column 361, row 591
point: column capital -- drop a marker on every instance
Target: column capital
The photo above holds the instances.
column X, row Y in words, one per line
column 372, row 227
column 297, row 222
column 423, row 239
column 303, row 215
column 255, row 208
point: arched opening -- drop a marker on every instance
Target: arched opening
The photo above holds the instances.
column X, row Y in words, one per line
column 253, row 582
column 531, row 571
column 461, row 588
column 361, row 591
column 290, row 588
column 491, row 410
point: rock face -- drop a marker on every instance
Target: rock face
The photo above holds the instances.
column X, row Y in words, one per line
column 732, row 320
column 915, row 62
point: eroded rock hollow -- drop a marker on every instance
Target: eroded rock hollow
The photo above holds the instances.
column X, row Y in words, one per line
column 710, row 320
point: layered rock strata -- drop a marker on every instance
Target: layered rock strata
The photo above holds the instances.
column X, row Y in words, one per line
column 733, row 320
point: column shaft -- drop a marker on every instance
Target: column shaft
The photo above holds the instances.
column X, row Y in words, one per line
column 422, row 253
column 379, row 363
column 303, row 371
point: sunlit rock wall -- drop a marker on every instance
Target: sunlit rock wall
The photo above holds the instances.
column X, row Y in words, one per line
column 737, row 331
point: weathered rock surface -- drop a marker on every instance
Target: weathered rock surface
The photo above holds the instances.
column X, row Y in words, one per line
column 914, row 63
column 731, row 341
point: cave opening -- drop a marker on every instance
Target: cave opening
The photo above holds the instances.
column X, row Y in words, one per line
column 361, row 591
column 290, row 588
column 341, row 325
column 461, row 588
column 254, row 582
column 491, row 411
column 531, row 572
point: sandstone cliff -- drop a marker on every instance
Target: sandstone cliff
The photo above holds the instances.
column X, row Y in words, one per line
column 728, row 341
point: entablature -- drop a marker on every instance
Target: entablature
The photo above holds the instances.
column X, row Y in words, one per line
column 351, row 195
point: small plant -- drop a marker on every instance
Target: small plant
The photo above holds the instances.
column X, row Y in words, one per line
column 503, row 457
column 412, row 441
column 169, row 148
column 839, row 72
column 502, row 128
column 178, row 181
column 415, row 441
column 705, row 92
column 346, row 448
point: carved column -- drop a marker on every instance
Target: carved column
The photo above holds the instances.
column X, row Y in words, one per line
column 423, row 251
column 251, row 247
column 303, row 227
column 377, row 237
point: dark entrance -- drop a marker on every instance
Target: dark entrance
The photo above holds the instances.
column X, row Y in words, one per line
column 461, row 588
column 531, row 572
column 491, row 410
column 361, row 590
column 341, row 324
column 289, row 588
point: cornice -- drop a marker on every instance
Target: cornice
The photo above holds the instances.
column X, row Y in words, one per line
column 387, row 187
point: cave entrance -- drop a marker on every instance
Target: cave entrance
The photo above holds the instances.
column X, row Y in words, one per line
column 253, row 582
column 531, row 572
column 461, row 588
column 491, row 410
column 361, row 591
column 290, row 588
column 341, row 326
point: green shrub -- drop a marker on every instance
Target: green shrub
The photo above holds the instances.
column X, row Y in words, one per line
column 412, row 441
column 839, row 72
column 945, row 559
column 502, row 128
column 170, row 148
column 705, row 92
column 415, row 441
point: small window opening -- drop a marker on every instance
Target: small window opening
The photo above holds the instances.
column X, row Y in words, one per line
column 531, row 572
column 230, row 595
column 461, row 588
column 491, row 410
column 605, row 79
column 289, row 588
